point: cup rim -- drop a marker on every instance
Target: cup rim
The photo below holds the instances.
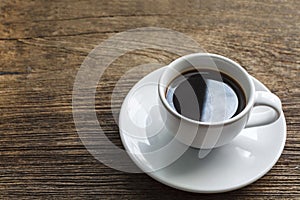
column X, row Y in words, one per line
column 162, row 88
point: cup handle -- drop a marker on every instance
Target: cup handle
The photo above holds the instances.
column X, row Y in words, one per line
column 263, row 98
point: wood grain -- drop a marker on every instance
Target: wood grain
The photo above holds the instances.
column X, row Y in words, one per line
column 42, row 45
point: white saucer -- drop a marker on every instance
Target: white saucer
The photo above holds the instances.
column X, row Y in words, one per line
column 246, row 159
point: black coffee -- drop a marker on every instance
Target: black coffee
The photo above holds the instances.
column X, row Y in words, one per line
column 206, row 96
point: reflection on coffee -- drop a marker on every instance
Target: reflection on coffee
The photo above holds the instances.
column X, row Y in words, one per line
column 206, row 96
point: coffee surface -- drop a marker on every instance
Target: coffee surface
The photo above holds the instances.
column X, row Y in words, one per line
column 206, row 96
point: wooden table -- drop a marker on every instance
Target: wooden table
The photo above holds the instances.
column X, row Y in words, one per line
column 42, row 45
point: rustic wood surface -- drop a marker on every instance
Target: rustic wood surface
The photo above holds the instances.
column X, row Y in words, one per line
column 42, row 45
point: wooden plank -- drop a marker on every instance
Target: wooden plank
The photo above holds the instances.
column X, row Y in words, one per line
column 42, row 45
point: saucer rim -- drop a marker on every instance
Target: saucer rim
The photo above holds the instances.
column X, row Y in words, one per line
column 250, row 181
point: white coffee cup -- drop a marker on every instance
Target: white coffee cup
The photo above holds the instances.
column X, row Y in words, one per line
column 207, row 135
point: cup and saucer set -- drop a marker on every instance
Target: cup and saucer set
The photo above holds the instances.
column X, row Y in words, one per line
column 202, row 124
